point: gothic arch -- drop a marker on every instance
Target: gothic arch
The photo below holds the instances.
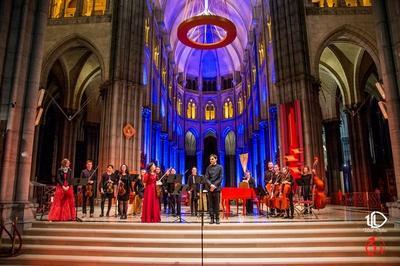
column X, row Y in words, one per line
column 350, row 34
column 69, row 42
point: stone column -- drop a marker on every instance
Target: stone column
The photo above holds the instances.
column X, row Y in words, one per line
column 23, row 55
column 221, row 161
column 146, row 118
column 387, row 29
column 125, row 94
column 361, row 180
column 255, row 158
column 334, row 152
column 199, row 161
column 263, row 148
column 156, row 143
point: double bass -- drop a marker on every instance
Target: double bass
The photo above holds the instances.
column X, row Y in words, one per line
column 319, row 189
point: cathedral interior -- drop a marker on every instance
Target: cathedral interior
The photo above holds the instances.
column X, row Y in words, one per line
column 129, row 83
column 110, row 81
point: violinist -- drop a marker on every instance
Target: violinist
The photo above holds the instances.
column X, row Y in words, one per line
column 164, row 194
column 106, row 188
column 138, row 190
column 123, row 190
column 88, row 191
column 151, row 207
column 276, row 190
column 173, row 199
column 194, row 189
column 307, row 182
column 287, row 178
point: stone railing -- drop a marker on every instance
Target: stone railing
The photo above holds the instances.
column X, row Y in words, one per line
column 318, row 11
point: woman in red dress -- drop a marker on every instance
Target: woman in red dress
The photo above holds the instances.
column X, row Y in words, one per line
column 151, row 206
column 63, row 207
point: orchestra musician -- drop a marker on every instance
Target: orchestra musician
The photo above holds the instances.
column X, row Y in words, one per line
column 213, row 178
column 277, row 186
column 88, row 191
column 138, row 190
column 269, row 178
column 151, row 206
column 307, row 183
column 164, row 195
column 252, row 184
column 287, row 178
column 63, row 206
column 194, row 190
column 107, row 187
column 123, row 190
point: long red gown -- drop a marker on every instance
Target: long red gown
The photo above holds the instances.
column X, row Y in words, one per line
column 63, row 207
column 151, row 206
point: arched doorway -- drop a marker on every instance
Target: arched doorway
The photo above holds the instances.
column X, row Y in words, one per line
column 190, row 151
column 210, row 147
column 230, row 159
column 70, row 125
column 354, row 127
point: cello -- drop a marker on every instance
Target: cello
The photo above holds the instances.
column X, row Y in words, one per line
column 319, row 188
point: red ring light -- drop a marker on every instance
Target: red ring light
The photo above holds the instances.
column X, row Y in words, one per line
column 221, row 22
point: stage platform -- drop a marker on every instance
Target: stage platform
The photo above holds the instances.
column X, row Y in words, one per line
column 330, row 213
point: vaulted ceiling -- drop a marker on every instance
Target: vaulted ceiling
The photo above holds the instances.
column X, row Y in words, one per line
column 214, row 62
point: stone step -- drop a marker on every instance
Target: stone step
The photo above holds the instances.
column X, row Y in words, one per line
column 173, row 252
column 211, row 233
column 192, row 242
column 61, row 260
column 222, row 226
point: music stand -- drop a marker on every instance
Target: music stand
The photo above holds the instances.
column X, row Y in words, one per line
column 177, row 194
column 76, row 183
column 261, row 192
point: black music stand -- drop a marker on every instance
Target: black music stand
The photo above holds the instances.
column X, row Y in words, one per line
column 177, row 197
column 76, row 183
column 261, row 192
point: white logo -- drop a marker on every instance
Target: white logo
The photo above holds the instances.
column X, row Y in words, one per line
column 371, row 220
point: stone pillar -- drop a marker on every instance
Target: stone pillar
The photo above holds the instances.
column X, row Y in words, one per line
column 361, row 180
column 255, row 158
column 293, row 75
column 221, row 161
column 146, row 118
column 165, row 147
column 156, row 143
column 199, row 161
column 181, row 154
column 387, row 29
column 263, row 148
column 22, row 50
column 334, row 152
column 125, row 94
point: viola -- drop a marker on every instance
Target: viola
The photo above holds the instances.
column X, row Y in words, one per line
column 284, row 196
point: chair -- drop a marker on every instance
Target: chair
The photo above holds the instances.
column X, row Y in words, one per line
column 300, row 203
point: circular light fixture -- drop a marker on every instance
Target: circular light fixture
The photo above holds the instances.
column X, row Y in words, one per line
column 221, row 22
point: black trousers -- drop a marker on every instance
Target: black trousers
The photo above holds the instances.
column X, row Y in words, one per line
column 105, row 197
column 84, row 201
column 165, row 201
column 306, row 194
column 213, row 201
column 177, row 202
column 249, row 206
column 194, row 206
column 123, row 207
column 290, row 211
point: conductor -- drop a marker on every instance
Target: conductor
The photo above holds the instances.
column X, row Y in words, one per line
column 213, row 178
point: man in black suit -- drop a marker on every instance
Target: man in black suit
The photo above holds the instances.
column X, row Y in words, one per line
column 88, row 175
column 213, row 178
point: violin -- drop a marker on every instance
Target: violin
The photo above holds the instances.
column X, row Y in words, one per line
column 121, row 187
